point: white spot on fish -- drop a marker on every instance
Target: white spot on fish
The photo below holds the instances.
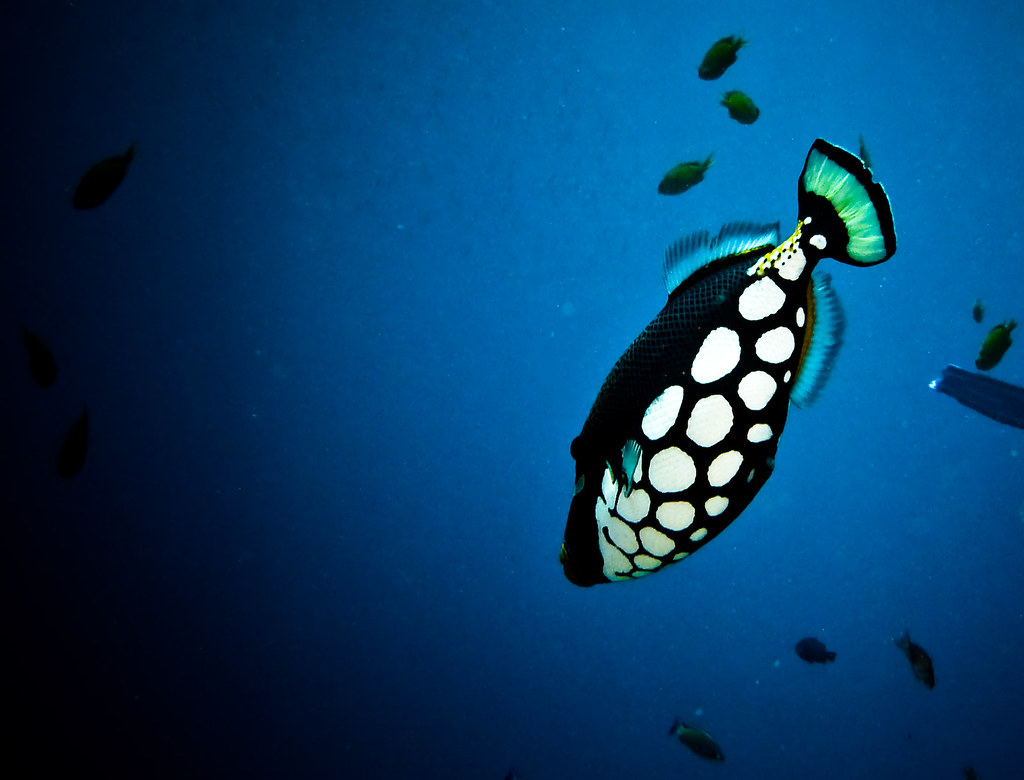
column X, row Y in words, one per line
column 635, row 507
column 717, row 356
column 655, row 542
column 759, row 432
column 675, row 515
column 724, row 468
column 671, row 470
column 646, row 562
column 761, row 299
column 756, row 390
column 716, row 505
column 662, row 413
column 710, row 421
column 776, row 345
column 622, row 535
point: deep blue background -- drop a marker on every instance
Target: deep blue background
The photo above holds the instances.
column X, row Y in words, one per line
column 354, row 299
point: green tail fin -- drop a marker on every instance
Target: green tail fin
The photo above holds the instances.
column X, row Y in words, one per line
column 845, row 213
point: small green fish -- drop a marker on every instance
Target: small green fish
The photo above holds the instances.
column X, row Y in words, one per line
column 720, row 56
column 978, row 312
column 995, row 345
column 741, row 108
column 698, row 740
column 684, row 176
column 99, row 182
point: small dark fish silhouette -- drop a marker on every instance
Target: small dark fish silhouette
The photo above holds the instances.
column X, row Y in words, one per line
column 863, row 151
column 720, row 56
column 969, row 773
column 920, row 661
column 100, row 181
column 698, row 740
column 40, row 359
column 684, row 176
column 995, row 345
column 741, row 107
column 72, row 452
column 978, row 312
column 813, row 651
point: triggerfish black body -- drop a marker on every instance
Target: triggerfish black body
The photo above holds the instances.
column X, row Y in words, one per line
column 698, row 740
column 684, row 431
column 720, row 56
column 995, row 345
column 813, row 651
column 919, row 659
column 99, row 182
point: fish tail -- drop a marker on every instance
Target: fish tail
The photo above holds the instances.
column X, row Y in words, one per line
column 845, row 214
column 903, row 640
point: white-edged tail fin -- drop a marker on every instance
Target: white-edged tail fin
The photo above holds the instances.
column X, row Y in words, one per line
column 825, row 325
column 845, row 213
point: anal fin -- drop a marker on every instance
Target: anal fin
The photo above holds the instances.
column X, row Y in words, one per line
column 825, row 325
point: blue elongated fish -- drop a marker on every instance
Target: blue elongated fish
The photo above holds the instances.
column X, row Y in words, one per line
column 685, row 429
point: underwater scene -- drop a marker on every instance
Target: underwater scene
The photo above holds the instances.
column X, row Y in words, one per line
column 375, row 375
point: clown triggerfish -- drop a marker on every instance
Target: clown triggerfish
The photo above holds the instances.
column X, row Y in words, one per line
column 685, row 428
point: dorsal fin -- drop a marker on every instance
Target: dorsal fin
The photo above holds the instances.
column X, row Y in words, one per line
column 697, row 250
column 825, row 325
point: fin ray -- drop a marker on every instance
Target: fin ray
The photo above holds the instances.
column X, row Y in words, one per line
column 837, row 195
column 826, row 323
column 697, row 250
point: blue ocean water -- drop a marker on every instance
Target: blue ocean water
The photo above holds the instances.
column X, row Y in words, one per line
column 353, row 300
